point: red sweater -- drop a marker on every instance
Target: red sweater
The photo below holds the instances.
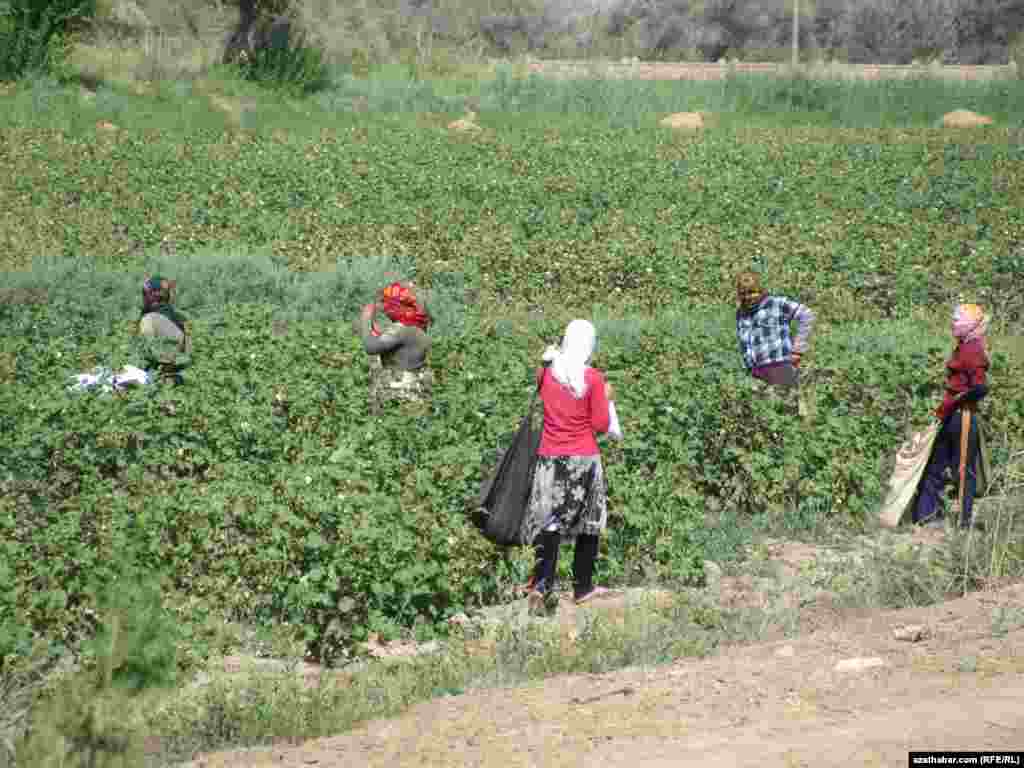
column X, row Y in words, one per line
column 967, row 368
column 570, row 424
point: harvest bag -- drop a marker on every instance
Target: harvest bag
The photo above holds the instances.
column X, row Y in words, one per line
column 911, row 460
column 504, row 495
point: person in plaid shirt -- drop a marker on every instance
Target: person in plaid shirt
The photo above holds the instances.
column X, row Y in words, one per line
column 769, row 351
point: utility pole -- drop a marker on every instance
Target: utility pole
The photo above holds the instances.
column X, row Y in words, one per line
column 796, row 33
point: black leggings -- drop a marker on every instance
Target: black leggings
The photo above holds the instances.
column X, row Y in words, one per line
column 546, row 568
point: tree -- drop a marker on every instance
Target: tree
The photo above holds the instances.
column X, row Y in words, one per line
column 729, row 23
column 798, row 9
column 251, row 14
column 985, row 29
column 32, row 32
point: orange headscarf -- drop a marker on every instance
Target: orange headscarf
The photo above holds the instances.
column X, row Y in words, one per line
column 401, row 306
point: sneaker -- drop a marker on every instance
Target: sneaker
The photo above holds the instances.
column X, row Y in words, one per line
column 593, row 593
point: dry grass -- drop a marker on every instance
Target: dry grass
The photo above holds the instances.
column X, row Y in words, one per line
column 21, row 681
column 156, row 57
column 236, row 703
column 143, row 41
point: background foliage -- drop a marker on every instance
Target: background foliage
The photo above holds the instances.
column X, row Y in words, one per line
column 34, row 34
column 417, row 31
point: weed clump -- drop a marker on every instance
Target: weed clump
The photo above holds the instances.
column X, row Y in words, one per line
column 88, row 714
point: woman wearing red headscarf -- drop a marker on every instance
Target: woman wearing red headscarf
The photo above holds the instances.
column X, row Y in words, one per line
column 398, row 342
column 957, row 444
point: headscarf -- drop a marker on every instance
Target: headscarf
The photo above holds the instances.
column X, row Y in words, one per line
column 749, row 290
column 156, row 290
column 568, row 362
column 401, row 306
column 969, row 323
column 158, row 296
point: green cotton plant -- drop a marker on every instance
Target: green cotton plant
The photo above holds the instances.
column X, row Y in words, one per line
column 265, row 485
column 665, row 219
column 270, row 492
column 247, row 415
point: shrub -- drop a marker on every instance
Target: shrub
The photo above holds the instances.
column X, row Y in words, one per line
column 286, row 59
column 88, row 716
column 33, row 33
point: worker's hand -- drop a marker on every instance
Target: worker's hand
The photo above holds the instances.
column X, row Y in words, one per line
column 795, row 359
column 609, row 390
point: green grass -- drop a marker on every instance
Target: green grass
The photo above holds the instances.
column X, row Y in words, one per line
column 264, row 490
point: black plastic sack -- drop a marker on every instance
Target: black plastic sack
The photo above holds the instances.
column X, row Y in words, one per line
column 504, row 495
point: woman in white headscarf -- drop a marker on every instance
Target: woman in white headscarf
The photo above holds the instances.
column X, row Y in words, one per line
column 568, row 498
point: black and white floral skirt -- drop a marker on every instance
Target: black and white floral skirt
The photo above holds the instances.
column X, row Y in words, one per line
column 569, row 495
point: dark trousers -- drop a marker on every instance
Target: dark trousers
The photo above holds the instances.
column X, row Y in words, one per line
column 782, row 375
column 784, row 380
column 546, row 567
column 946, row 455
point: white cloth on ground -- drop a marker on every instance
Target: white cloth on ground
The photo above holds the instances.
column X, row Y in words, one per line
column 108, row 381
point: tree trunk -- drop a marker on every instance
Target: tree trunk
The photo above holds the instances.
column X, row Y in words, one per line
column 238, row 40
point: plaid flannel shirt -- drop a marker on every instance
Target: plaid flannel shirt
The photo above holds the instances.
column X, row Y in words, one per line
column 764, row 335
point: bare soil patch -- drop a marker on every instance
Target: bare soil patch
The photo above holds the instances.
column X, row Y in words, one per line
column 959, row 686
column 851, row 687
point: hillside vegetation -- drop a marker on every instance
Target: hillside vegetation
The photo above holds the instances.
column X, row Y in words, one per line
column 874, row 31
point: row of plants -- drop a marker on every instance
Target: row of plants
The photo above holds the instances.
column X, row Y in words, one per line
column 266, row 488
column 860, row 222
column 269, row 492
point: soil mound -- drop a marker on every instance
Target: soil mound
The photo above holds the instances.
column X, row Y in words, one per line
column 465, row 124
column 684, row 121
column 964, row 118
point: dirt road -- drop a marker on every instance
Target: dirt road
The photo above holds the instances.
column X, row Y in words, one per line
column 667, row 70
column 774, row 704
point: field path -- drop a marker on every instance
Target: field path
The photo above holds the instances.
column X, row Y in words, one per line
column 771, row 704
column 666, row 70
